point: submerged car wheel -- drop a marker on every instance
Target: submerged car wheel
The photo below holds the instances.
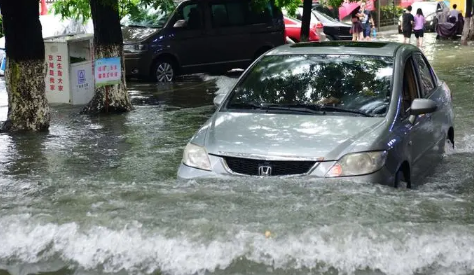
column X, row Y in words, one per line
column 165, row 70
column 435, row 24
column 448, row 146
column 400, row 179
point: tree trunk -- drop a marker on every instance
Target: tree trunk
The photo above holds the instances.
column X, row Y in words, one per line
column 108, row 42
column 306, row 20
column 467, row 30
column 471, row 33
column 28, row 109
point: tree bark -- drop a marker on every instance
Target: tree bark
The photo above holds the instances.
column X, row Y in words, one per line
column 467, row 29
column 108, row 42
column 28, row 109
column 471, row 33
column 306, row 20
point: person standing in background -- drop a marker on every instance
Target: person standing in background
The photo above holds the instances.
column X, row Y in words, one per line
column 356, row 30
column 366, row 20
column 407, row 24
column 454, row 13
column 418, row 29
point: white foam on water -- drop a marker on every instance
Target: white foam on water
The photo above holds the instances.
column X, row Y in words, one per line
column 397, row 249
column 464, row 144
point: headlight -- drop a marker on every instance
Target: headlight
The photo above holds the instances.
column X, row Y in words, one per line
column 358, row 164
column 134, row 48
column 196, row 156
column 429, row 18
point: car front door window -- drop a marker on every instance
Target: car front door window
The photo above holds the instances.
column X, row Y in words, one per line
column 410, row 91
column 427, row 84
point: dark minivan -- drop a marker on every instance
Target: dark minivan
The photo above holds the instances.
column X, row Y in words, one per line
column 200, row 36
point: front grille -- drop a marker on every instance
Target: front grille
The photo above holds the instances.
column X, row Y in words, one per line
column 255, row 167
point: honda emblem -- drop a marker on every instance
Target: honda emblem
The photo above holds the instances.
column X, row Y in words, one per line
column 264, row 170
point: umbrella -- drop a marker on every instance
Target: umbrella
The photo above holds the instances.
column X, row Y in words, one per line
column 347, row 8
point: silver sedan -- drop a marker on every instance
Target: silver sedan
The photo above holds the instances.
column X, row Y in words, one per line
column 365, row 111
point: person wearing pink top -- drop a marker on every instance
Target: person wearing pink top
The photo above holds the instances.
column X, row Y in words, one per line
column 419, row 26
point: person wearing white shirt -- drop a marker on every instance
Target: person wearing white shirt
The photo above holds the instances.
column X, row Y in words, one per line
column 454, row 12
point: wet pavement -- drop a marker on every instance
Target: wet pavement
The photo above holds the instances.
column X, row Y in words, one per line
column 100, row 195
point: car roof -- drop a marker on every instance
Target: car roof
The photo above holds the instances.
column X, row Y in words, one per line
column 387, row 49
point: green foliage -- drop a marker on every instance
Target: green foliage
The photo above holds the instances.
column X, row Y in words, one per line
column 1, row 26
column 75, row 9
column 290, row 5
column 390, row 12
column 80, row 9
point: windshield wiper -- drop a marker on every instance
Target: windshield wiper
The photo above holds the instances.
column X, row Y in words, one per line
column 343, row 110
column 292, row 108
column 298, row 107
column 322, row 108
column 274, row 107
column 135, row 26
column 245, row 105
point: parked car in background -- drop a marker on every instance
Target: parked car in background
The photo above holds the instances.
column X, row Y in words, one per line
column 329, row 28
column 370, row 112
column 434, row 11
column 201, row 36
column 333, row 29
column 293, row 30
column 316, row 26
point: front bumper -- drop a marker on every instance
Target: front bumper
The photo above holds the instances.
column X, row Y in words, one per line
column 220, row 169
column 429, row 25
column 137, row 65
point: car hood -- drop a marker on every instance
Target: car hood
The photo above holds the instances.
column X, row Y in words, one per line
column 137, row 34
column 287, row 135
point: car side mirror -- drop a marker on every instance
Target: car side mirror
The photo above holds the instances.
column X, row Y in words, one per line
column 421, row 106
column 218, row 99
column 180, row 24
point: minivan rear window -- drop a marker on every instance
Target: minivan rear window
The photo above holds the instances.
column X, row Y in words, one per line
column 351, row 82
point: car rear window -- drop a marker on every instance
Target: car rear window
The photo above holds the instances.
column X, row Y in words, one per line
column 352, row 82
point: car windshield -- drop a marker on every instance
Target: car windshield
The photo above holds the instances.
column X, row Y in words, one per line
column 146, row 18
column 324, row 18
column 317, row 83
column 427, row 8
column 299, row 15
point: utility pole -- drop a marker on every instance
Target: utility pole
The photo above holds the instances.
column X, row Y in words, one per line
column 377, row 2
column 305, row 21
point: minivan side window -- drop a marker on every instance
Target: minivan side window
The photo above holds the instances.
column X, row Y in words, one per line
column 258, row 16
column 228, row 14
column 192, row 15
column 238, row 13
column 426, row 78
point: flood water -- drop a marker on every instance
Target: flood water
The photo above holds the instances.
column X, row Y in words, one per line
column 100, row 195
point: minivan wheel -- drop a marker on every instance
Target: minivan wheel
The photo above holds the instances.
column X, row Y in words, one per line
column 164, row 70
